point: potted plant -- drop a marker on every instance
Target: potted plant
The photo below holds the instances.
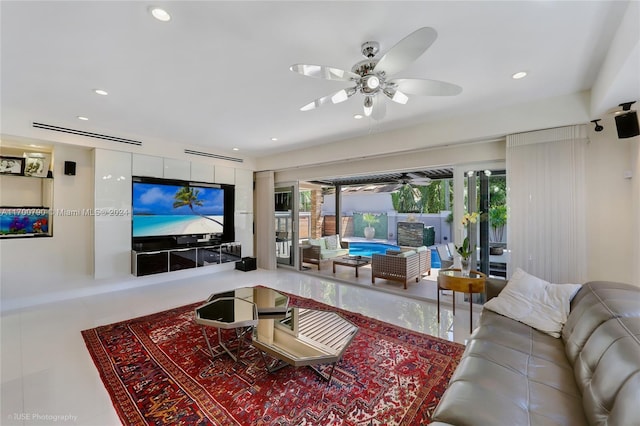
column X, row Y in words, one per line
column 369, row 219
column 497, row 220
column 465, row 251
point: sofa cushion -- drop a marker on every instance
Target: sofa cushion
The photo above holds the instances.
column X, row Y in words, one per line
column 406, row 253
column 329, row 254
column 513, row 374
column 609, row 362
column 595, row 304
column 535, row 302
column 318, row 242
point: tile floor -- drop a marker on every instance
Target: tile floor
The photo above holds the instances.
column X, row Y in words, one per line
column 48, row 377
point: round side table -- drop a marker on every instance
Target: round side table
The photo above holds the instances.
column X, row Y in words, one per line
column 452, row 279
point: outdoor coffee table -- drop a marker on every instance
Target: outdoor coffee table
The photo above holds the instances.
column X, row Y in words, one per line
column 351, row 261
column 307, row 337
column 227, row 313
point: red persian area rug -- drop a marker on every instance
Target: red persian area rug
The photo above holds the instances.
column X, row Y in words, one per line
column 158, row 371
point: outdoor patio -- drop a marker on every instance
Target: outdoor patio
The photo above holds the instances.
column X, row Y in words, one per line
column 425, row 289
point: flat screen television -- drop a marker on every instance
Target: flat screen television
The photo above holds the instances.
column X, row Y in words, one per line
column 168, row 208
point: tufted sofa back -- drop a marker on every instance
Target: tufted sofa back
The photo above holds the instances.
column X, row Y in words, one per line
column 602, row 341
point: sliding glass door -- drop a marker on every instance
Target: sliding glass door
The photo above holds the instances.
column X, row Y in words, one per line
column 486, row 193
column 285, row 237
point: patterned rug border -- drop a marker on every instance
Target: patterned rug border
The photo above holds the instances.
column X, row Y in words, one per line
column 399, row 334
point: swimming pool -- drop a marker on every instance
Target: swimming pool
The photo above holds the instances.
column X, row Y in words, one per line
column 367, row 249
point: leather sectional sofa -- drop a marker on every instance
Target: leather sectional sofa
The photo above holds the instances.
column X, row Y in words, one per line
column 512, row 374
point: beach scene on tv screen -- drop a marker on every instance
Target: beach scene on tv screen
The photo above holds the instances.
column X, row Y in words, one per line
column 176, row 210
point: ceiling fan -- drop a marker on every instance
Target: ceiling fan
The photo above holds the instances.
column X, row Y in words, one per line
column 412, row 180
column 371, row 76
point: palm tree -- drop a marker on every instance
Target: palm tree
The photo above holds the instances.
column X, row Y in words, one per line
column 189, row 197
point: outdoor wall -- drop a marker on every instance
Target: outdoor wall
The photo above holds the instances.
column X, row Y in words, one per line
column 365, row 202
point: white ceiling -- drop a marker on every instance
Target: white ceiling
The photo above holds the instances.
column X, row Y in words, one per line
column 216, row 76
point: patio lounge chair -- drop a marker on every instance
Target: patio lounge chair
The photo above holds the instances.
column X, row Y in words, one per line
column 446, row 259
column 400, row 267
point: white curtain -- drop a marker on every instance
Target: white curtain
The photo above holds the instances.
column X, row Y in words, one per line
column 265, row 222
column 546, row 193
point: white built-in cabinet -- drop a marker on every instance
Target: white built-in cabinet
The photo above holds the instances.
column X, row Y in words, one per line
column 159, row 167
column 244, row 190
column 201, row 172
column 112, row 216
column 243, row 219
column 225, row 175
column 113, row 173
column 176, row 169
column 147, row 165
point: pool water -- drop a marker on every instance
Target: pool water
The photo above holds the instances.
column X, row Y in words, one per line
column 367, row 249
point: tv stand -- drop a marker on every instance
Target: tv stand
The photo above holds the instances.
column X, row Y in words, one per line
column 147, row 261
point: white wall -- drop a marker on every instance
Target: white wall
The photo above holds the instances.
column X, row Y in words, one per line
column 612, row 252
column 31, row 268
column 635, row 212
column 445, row 132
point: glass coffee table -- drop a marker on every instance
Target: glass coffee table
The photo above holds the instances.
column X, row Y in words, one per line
column 227, row 313
column 239, row 309
column 291, row 336
column 306, row 337
column 351, row 261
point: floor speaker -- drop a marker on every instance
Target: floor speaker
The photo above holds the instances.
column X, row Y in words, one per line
column 627, row 125
column 70, row 168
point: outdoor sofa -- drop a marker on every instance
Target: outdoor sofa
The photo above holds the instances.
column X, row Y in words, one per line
column 511, row 373
column 318, row 249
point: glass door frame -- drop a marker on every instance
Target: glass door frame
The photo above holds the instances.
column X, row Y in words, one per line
column 292, row 226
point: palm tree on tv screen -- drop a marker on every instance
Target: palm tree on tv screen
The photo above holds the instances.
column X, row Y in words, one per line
column 189, row 197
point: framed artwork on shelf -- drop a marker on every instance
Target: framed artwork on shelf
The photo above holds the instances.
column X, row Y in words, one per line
column 37, row 164
column 11, row 165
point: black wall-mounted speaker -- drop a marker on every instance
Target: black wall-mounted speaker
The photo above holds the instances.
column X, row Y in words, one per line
column 627, row 125
column 70, row 168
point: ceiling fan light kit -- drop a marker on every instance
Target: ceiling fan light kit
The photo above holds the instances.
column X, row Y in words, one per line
column 371, row 75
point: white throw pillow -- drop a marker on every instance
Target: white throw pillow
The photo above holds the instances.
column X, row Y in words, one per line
column 535, row 302
column 332, row 242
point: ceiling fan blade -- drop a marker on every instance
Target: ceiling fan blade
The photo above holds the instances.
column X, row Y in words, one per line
column 324, row 72
column 417, row 86
column 406, row 51
column 335, row 98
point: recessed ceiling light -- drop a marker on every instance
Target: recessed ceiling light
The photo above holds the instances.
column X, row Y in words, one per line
column 236, row 149
column 160, row 14
column 80, row 117
column 274, row 139
column 519, row 75
column 101, row 92
column 358, row 116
